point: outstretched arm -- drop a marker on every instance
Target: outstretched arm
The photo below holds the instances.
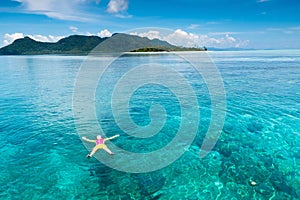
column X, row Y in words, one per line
column 110, row 138
column 88, row 140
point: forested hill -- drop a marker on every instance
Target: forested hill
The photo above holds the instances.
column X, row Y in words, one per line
column 75, row 44
column 82, row 45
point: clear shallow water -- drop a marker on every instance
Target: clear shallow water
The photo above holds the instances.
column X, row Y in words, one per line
column 43, row 157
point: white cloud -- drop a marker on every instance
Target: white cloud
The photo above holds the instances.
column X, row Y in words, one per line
column 286, row 30
column 230, row 39
column 116, row 6
column 123, row 16
column 104, row 33
column 88, row 34
column 43, row 38
column 59, row 9
column 262, row 1
column 53, row 38
column 183, row 38
column 40, row 38
column 72, row 10
column 224, row 33
column 193, row 26
column 10, row 38
column 274, row 29
column 150, row 34
column 74, row 29
column 296, row 28
column 212, row 23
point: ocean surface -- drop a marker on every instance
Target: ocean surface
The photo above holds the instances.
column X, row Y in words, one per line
column 257, row 155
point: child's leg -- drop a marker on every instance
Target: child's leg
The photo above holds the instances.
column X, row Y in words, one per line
column 93, row 151
column 107, row 150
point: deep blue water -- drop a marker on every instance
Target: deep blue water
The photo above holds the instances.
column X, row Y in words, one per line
column 44, row 158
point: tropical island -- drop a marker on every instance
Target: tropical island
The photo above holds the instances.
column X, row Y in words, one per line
column 166, row 49
column 83, row 45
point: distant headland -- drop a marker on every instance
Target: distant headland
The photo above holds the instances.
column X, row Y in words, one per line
column 83, row 45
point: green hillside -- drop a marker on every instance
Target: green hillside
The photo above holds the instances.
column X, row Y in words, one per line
column 82, row 45
column 75, row 44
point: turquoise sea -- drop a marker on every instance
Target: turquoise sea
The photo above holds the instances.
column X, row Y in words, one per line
column 256, row 157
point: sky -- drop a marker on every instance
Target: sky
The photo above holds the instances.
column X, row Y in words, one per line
column 259, row 24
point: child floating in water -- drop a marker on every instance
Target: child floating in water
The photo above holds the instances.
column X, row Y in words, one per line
column 100, row 144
